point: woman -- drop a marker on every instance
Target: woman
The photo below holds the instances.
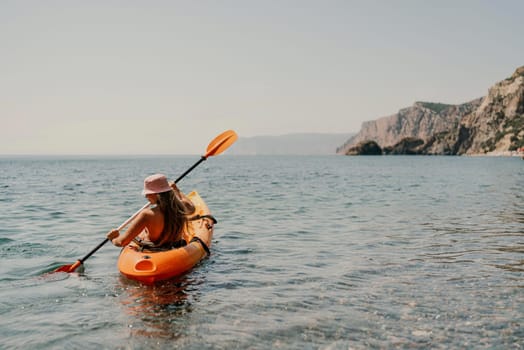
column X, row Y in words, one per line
column 160, row 225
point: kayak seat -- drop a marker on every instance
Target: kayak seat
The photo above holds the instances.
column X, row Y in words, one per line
column 198, row 217
column 150, row 247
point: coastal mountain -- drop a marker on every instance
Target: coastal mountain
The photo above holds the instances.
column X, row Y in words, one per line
column 290, row 144
column 493, row 124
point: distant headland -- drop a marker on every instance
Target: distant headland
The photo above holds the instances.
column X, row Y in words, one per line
column 290, row 144
column 489, row 125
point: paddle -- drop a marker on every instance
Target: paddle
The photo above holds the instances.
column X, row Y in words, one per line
column 73, row 267
column 218, row 145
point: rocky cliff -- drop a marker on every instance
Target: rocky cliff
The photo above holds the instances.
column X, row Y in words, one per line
column 497, row 125
column 488, row 125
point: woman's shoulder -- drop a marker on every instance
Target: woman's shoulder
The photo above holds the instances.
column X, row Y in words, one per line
column 149, row 213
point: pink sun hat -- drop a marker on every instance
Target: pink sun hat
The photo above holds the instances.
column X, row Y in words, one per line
column 156, row 184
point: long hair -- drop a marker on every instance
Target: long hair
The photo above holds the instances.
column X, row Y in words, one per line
column 174, row 217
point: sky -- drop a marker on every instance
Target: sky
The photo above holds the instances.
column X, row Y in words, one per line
column 165, row 77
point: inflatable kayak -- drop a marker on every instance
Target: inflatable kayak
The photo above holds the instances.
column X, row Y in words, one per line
column 149, row 266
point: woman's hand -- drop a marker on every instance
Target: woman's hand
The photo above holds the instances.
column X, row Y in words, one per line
column 112, row 235
column 175, row 188
column 189, row 206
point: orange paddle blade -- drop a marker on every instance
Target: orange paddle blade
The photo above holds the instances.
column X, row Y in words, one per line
column 69, row 268
column 221, row 143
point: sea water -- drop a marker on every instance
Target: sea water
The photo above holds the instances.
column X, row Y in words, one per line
column 326, row 252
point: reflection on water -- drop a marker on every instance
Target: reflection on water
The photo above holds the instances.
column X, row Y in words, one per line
column 157, row 311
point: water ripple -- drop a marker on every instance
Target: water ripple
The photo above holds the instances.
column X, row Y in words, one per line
column 309, row 253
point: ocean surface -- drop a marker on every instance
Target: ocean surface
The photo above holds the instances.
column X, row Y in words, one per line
column 324, row 252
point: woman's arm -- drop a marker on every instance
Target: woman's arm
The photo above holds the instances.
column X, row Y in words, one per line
column 136, row 226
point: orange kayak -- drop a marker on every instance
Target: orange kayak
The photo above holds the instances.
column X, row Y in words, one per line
column 150, row 266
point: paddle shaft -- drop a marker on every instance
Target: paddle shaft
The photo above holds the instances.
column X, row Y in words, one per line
column 138, row 212
column 190, row 169
column 216, row 146
column 124, row 224
column 93, row 251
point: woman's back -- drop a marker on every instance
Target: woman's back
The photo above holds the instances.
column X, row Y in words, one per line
column 153, row 220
